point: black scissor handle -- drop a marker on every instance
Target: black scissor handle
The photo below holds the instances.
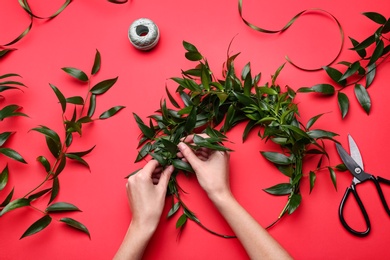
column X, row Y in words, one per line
column 377, row 180
column 352, row 189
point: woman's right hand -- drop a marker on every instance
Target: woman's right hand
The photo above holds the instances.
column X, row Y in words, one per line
column 211, row 168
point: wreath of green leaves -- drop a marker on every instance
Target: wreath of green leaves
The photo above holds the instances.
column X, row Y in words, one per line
column 214, row 106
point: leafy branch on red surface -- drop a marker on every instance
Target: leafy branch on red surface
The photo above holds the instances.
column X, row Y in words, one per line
column 373, row 51
column 81, row 114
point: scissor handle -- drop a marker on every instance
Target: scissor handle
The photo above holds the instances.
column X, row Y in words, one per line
column 352, row 189
column 377, row 180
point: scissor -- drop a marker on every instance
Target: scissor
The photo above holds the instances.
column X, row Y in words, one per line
column 354, row 164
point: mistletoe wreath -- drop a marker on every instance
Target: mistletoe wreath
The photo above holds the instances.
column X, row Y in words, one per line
column 214, row 106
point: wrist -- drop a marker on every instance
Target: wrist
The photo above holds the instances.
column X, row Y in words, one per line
column 220, row 198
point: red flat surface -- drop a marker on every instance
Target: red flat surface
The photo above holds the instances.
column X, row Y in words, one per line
column 71, row 39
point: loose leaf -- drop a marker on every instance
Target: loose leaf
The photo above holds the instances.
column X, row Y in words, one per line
column 37, row 226
column 76, row 224
column 76, row 73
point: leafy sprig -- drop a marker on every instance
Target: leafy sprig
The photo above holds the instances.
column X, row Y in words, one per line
column 372, row 52
column 214, row 106
column 83, row 113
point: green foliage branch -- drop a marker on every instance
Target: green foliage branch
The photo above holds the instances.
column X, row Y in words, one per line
column 82, row 113
column 372, row 52
column 214, row 106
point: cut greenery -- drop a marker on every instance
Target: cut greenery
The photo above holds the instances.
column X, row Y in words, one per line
column 81, row 111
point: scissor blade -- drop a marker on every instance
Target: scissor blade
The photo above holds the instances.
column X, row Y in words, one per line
column 355, row 153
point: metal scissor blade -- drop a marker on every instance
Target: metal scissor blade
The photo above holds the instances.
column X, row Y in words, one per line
column 355, row 153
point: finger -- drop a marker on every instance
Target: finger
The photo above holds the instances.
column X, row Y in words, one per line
column 149, row 168
column 164, row 178
column 189, row 155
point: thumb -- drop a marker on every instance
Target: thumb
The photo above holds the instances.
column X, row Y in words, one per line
column 165, row 175
column 189, row 155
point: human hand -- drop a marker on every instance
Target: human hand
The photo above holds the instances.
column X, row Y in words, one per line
column 146, row 192
column 211, row 168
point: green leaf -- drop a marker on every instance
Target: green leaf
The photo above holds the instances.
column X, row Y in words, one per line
column 83, row 153
column 277, row 72
column 10, row 110
column 181, row 221
column 277, row 158
column 103, row 86
column 77, row 100
column 312, row 177
column 364, row 44
column 78, row 159
column 76, row 225
column 60, row 97
column 4, row 137
column 294, row 202
column 190, row 121
column 334, row 74
column 182, row 165
column 12, row 154
column 171, row 99
column 325, row 89
column 96, row 63
column 37, row 226
column 377, row 52
column 312, row 120
column 76, row 73
column 61, row 165
column 174, row 209
column 111, row 112
column 62, row 206
column 38, row 194
column 386, row 27
column 189, row 47
column 18, row 203
column 45, row 163
column 333, row 177
column 159, row 158
column 55, row 189
column 143, row 152
column 341, row 167
column 362, row 53
column 363, row 97
column 376, row 17
column 371, row 70
column 4, row 177
column 317, row 133
column 193, row 56
column 7, row 199
column 49, row 133
column 92, row 105
column 343, row 102
column 146, row 131
column 280, row 189
column 351, row 70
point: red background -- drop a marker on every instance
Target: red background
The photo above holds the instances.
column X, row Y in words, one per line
column 71, row 39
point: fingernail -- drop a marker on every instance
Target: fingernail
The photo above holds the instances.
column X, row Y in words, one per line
column 181, row 145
